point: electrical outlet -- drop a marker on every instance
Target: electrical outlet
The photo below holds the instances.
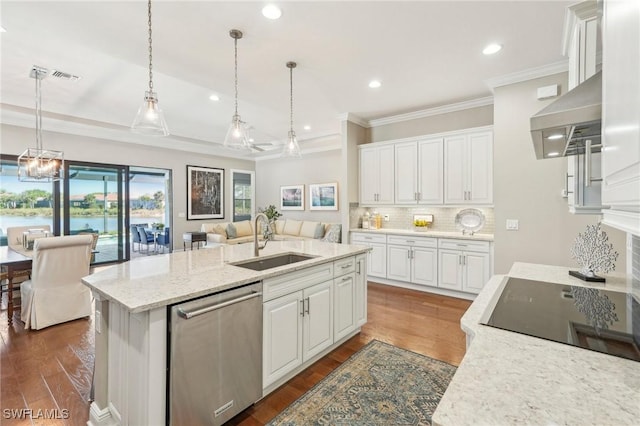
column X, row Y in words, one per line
column 386, row 218
column 512, row 224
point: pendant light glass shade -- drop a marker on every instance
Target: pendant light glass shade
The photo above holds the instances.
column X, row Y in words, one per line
column 236, row 137
column 291, row 148
column 38, row 164
column 150, row 119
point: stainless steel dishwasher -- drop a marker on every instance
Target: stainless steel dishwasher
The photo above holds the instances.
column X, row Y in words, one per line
column 215, row 357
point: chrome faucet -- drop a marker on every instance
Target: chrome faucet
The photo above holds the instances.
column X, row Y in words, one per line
column 256, row 246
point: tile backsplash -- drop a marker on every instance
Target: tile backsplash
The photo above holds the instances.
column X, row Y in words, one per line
column 402, row 217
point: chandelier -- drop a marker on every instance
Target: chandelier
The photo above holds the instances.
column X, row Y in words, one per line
column 150, row 119
column 291, row 147
column 37, row 164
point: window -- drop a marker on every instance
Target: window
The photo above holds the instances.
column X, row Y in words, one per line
column 243, row 194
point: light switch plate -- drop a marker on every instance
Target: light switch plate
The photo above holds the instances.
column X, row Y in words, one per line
column 512, row 224
column 386, row 218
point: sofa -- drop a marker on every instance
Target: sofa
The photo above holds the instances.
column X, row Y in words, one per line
column 283, row 229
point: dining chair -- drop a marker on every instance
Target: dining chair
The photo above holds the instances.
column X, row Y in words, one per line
column 55, row 292
column 15, row 233
column 135, row 236
column 145, row 238
column 94, row 243
column 164, row 239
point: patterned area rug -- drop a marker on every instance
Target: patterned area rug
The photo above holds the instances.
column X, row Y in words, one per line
column 379, row 385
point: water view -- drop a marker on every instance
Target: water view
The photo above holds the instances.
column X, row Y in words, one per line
column 100, row 224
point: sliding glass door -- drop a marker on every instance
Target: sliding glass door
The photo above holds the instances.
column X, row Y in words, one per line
column 94, row 203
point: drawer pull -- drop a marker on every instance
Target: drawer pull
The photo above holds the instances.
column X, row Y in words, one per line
column 346, row 266
column 346, row 279
column 410, row 241
column 461, row 245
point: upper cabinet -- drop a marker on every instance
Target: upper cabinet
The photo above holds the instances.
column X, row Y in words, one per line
column 621, row 115
column 582, row 41
column 376, row 175
column 419, row 172
column 468, row 165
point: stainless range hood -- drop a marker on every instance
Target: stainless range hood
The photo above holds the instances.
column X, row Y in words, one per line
column 572, row 123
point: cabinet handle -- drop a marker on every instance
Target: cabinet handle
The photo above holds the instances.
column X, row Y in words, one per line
column 587, row 162
column 410, row 241
column 408, row 254
column 308, row 305
column 459, row 259
column 302, row 308
column 411, row 251
column 358, row 268
column 461, row 245
column 566, row 185
column 346, row 279
column 464, row 260
column 346, row 266
column 419, row 196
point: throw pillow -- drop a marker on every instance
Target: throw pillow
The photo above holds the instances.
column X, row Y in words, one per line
column 280, row 226
column 243, row 228
column 308, row 229
column 333, row 234
column 231, row 231
column 220, row 230
column 292, row 227
column 319, row 233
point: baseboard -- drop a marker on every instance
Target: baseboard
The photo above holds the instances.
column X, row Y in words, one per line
column 100, row 417
column 425, row 289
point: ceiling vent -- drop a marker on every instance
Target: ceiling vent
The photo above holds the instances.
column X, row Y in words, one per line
column 41, row 72
column 63, row 75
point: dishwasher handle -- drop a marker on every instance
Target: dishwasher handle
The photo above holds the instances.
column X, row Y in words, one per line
column 190, row 314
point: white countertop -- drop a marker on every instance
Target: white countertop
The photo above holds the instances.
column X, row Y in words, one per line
column 429, row 233
column 507, row 378
column 155, row 281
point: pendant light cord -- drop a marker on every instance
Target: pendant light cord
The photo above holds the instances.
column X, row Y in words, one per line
column 150, row 51
column 235, row 55
column 38, row 112
column 291, row 91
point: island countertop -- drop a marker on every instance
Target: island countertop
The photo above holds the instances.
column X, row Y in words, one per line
column 507, row 378
column 160, row 280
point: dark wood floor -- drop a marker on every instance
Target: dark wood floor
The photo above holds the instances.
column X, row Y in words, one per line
column 51, row 368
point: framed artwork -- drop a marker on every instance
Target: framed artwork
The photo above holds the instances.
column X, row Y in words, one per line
column 205, row 193
column 292, row 197
column 323, row 196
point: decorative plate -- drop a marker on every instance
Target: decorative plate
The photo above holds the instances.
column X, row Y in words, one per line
column 469, row 220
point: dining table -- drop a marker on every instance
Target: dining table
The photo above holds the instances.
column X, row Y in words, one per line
column 12, row 261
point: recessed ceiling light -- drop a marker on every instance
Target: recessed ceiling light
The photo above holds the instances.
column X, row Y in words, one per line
column 251, row 140
column 553, row 154
column 214, row 97
column 271, row 11
column 555, row 136
column 492, row 48
column 374, row 84
column 307, row 127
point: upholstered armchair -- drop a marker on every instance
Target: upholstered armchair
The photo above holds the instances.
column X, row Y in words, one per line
column 55, row 292
column 164, row 239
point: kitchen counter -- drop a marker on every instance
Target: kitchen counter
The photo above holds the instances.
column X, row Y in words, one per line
column 432, row 234
column 160, row 280
column 507, row 378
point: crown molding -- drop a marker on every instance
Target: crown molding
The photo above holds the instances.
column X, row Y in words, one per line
column 348, row 116
column 459, row 106
column 528, row 74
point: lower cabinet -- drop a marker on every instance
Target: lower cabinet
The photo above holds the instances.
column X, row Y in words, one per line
column 412, row 259
column 463, row 265
column 303, row 324
column 377, row 262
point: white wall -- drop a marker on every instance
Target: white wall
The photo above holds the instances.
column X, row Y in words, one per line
column 81, row 148
column 529, row 190
column 318, row 167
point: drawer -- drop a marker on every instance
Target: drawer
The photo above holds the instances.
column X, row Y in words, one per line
column 368, row 238
column 464, row 245
column 295, row 281
column 412, row 241
column 344, row 266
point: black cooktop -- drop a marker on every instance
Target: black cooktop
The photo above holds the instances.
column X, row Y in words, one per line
column 599, row 320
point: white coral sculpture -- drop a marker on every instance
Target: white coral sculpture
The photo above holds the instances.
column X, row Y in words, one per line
column 593, row 253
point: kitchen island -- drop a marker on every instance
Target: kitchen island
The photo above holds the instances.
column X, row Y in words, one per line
column 131, row 321
column 507, row 378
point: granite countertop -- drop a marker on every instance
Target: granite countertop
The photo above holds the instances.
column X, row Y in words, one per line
column 507, row 378
column 155, row 281
column 432, row 234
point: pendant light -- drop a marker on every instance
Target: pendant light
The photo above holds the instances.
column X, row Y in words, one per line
column 37, row 164
column 291, row 148
column 150, row 119
column 236, row 137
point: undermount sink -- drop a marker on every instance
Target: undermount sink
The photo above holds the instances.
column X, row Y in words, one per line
column 263, row 263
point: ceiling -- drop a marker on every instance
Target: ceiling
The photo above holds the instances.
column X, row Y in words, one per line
column 425, row 53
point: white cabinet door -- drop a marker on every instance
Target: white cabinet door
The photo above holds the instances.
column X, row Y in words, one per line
column 406, row 173
column 621, row 115
column 361, row 290
column 455, row 156
column 344, row 304
column 480, row 168
column 376, row 175
column 377, row 264
column 282, row 339
column 399, row 262
column 469, row 168
column 450, row 269
column 430, row 171
column 424, row 266
column 476, row 269
column 318, row 319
